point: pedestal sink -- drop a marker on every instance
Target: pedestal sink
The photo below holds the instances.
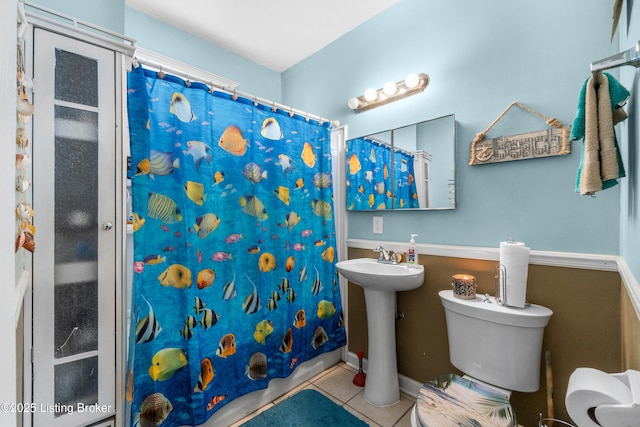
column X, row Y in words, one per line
column 380, row 282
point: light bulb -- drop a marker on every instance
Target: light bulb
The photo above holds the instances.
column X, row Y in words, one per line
column 370, row 94
column 353, row 103
column 412, row 81
column 389, row 88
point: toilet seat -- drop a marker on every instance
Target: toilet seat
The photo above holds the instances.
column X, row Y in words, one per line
column 455, row 401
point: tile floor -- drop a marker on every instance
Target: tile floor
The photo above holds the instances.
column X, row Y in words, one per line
column 337, row 384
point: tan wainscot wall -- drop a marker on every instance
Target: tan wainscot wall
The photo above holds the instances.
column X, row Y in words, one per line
column 593, row 325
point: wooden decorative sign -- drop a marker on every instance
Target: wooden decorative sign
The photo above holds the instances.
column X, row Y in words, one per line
column 544, row 143
column 532, row 145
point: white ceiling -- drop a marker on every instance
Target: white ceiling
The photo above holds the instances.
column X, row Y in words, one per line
column 275, row 33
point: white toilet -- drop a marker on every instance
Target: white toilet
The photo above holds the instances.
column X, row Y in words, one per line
column 498, row 348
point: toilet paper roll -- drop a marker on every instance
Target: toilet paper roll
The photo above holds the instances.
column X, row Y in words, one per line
column 589, row 388
column 514, row 256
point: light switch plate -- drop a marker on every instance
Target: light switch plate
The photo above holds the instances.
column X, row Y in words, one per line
column 377, row 225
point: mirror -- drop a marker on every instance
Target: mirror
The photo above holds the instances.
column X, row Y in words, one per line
column 411, row 167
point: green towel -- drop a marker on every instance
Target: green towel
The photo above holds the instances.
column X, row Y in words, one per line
column 619, row 95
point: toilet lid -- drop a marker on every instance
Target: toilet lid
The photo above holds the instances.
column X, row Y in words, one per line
column 451, row 400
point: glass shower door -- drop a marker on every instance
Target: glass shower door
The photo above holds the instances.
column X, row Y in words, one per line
column 74, row 196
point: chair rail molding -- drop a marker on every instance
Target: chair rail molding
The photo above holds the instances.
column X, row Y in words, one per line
column 549, row 258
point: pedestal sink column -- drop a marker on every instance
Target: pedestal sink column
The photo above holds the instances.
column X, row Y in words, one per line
column 380, row 282
column 381, row 387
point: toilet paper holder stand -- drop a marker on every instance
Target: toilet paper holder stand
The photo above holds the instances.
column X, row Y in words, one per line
column 501, row 284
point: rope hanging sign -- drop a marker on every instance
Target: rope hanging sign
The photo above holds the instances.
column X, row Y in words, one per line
column 550, row 142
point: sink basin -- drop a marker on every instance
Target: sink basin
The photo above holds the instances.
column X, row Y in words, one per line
column 369, row 273
column 380, row 282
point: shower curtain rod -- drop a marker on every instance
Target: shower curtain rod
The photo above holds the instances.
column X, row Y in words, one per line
column 402, row 150
column 127, row 45
column 381, row 142
column 376, row 140
column 214, row 81
column 628, row 57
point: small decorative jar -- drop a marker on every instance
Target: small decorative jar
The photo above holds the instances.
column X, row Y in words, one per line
column 464, row 286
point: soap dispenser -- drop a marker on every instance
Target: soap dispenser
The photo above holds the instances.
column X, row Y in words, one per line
column 412, row 256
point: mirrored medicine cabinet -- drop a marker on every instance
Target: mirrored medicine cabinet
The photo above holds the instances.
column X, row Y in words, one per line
column 407, row 168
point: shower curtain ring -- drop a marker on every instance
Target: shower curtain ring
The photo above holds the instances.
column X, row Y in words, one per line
column 161, row 74
column 274, row 108
column 291, row 114
column 255, row 101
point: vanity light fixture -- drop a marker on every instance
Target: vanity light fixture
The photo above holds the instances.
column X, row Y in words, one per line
column 412, row 84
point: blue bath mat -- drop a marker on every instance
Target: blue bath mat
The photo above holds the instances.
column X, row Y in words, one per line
column 308, row 408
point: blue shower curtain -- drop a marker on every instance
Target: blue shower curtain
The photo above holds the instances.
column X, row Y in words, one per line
column 371, row 176
column 234, row 248
column 405, row 189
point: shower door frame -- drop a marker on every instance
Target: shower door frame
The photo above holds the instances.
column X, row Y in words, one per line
column 39, row 359
column 338, row 166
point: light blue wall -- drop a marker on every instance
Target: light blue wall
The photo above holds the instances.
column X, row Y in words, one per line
column 166, row 40
column 433, row 137
column 630, row 144
column 481, row 56
column 169, row 41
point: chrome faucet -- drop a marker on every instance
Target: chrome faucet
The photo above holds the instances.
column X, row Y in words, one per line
column 396, row 257
column 387, row 257
column 383, row 254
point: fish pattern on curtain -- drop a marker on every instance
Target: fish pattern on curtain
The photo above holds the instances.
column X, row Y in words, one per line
column 234, row 246
column 369, row 176
column 406, row 195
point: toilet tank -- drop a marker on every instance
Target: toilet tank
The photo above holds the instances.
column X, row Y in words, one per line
column 496, row 344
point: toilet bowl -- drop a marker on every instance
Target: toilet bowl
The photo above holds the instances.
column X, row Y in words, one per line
column 452, row 400
column 499, row 349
